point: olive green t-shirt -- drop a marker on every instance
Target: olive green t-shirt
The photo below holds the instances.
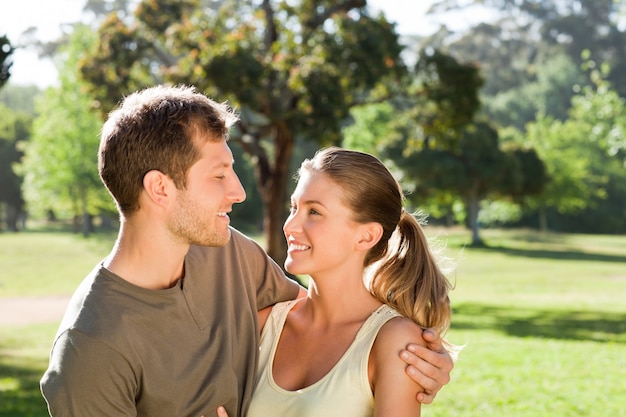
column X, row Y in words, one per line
column 123, row 350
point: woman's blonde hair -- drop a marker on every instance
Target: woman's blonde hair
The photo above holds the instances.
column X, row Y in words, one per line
column 403, row 270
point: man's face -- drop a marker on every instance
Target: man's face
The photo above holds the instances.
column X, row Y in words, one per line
column 200, row 216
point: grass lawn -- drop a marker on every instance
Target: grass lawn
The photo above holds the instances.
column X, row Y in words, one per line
column 543, row 321
column 542, row 318
column 23, row 358
column 44, row 263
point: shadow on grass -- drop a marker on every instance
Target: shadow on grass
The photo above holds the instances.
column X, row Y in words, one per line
column 554, row 324
column 19, row 390
column 568, row 255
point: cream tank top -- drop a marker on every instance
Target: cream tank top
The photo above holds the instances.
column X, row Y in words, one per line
column 344, row 391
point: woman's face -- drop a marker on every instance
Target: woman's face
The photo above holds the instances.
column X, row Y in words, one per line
column 320, row 232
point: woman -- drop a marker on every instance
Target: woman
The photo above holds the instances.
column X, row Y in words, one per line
column 374, row 284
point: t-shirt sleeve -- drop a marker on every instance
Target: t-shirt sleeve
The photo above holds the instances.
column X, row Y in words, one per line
column 85, row 377
column 273, row 286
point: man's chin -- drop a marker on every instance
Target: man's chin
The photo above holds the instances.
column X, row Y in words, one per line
column 216, row 240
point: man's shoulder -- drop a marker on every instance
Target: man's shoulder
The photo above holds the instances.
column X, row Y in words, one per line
column 96, row 305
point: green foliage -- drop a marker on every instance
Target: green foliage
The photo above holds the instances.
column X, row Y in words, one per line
column 584, row 156
column 451, row 159
column 6, row 50
column 498, row 213
column 564, row 148
column 450, row 90
column 601, row 113
column 503, row 51
column 246, row 216
column 443, row 155
column 478, row 169
column 529, row 32
column 550, row 94
column 60, row 163
column 370, row 128
column 536, row 57
column 20, row 98
column 294, row 72
column 530, row 178
column 14, row 131
column 118, row 64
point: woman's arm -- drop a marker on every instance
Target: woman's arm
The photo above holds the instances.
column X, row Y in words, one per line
column 394, row 391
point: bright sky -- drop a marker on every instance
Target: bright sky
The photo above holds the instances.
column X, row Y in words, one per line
column 48, row 16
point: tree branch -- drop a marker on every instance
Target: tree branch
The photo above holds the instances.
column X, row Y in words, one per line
column 345, row 6
column 270, row 26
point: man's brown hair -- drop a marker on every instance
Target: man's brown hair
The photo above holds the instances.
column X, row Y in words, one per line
column 154, row 129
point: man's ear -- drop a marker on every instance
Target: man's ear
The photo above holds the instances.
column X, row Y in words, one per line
column 370, row 235
column 157, row 187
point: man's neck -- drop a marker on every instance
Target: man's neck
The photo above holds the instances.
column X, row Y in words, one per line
column 147, row 259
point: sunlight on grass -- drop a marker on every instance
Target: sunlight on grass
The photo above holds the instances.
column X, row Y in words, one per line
column 23, row 358
column 542, row 316
column 9, row 384
column 533, row 376
column 48, row 263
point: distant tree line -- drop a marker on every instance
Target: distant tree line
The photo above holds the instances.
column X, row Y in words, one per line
column 515, row 122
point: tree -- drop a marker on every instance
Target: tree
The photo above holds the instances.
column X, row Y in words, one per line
column 571, row 181
column 20, row 98
column 6, row 50
column 442, row 105
column 432, row 137
column 14, row 130
column 478, row 169
column 369, row 128
column 582, row 154
column 449, row 94
column 375, row 129
column 603, row 113
column 292, row 70
column 60, row 163
column 550, row 94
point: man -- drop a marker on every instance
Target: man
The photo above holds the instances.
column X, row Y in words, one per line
column 167, row 324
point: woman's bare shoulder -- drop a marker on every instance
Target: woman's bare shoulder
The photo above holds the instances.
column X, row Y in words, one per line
column 396, row 334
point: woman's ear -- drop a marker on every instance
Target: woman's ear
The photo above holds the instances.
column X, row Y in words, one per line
column 370, row 235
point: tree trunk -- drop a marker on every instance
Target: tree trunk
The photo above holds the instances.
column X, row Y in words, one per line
column 473, row 206
column 543, row 218
column 12, row 217
column 87, row 219
column 274, row 194
column 87, row 224
column 449, row 216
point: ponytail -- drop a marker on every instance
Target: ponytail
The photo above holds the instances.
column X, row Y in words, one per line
column 409, row 278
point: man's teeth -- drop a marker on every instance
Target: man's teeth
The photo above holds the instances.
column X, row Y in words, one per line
column 221, row 213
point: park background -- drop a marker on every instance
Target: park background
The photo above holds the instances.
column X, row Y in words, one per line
column 505, row 123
